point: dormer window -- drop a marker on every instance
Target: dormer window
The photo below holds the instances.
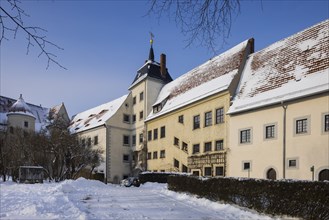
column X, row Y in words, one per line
column 157, row 108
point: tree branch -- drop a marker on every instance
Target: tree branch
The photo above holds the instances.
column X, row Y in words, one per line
column 31, row 32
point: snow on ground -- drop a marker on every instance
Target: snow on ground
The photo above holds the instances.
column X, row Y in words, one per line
column 88, row 199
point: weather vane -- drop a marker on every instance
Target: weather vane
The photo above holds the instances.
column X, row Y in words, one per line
column 151, row 40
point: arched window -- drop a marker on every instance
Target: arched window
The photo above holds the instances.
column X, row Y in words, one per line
column 324, row 175
column 271, row 174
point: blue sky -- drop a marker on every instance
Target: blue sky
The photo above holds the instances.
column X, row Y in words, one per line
column 105, row 42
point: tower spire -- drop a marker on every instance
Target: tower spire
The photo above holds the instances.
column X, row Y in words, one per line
column 151, row 54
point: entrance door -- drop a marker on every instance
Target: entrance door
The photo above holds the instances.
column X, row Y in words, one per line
column 324, row 175
column 271, row 174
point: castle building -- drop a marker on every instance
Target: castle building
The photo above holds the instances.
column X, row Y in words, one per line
column 26, row 116
column 253, row 114
column 279, row 118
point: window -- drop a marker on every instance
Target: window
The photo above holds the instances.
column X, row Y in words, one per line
column 245, row 136
column 246, row 166
column 26, row 124
column 292, row 163
column 149, row 155
column 134, row 118
column 176, row 141
column 219, row 145
column 141, row 96
column 163, row 132
column 184, row 147
column 207, row 171
column 141, row 138
column 134, row 100
column 155, row 155
column 301, row 126
column 155, row 134
column 269, row 131
column 176, row 163
column 162, row 154
column 219, row 171
column 208, row 119
column 184, row 168
column 125, row 158
column 89, row 142
column 11, row 130
column 125, row 140
column 196, row 122
column 326, row 123
column 219, row 115
column 196, row 148
column 134, row 140
column 196, row 173
column 207, row 147
column 83, row 142
column 126, row 118
column 181, row 119
column 141, row 115
column 149, row 135
column 95, row 140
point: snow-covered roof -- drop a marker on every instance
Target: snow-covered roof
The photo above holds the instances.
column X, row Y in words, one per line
column 40, row 113
column 20, row 107
column 96, row 116
column 207, row 79
column 292, row 68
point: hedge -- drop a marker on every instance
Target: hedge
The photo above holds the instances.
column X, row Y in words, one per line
column 156, row 177
column 303, row 199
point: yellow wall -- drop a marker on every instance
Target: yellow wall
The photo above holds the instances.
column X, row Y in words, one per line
column 310, row 149
column 185, row 133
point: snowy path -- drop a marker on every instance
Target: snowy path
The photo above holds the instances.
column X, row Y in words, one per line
column 85, row 199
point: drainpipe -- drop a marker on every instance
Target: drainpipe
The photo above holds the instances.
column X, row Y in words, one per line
column 107, row 150
column 284, row 140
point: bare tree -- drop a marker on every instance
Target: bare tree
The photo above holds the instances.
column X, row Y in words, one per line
column 203, row 21
column 12, row 21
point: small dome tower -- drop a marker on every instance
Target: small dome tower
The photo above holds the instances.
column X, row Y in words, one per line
column 20, row 115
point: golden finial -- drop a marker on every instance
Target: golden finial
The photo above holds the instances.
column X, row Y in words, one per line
column 151, row 40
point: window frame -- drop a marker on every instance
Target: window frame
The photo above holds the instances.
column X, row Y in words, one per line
column 141, row 96
column 248, row 136
column 325, row 123
column 149, row 135
column 126, row 140
column 96, row 140
column 155, row 154
column 176, row 163
column 184, row 147
column 125, row 117
column 162, row 153
column 305, row 129
column 196, row 123
column 244, row 165
column 155, row 133
column 274, row 131
column 222, row 145
column 208, row 119
column 216, row 173
column 194, row 148
column 163, row 132
column 123, row 158
column 181, row 119
column 220, row 115
column 205, row 147
column 204, row 170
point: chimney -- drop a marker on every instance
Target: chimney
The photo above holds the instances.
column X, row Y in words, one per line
column 163, row 68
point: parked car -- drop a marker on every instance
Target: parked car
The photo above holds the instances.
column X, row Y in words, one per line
column 130, row 181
